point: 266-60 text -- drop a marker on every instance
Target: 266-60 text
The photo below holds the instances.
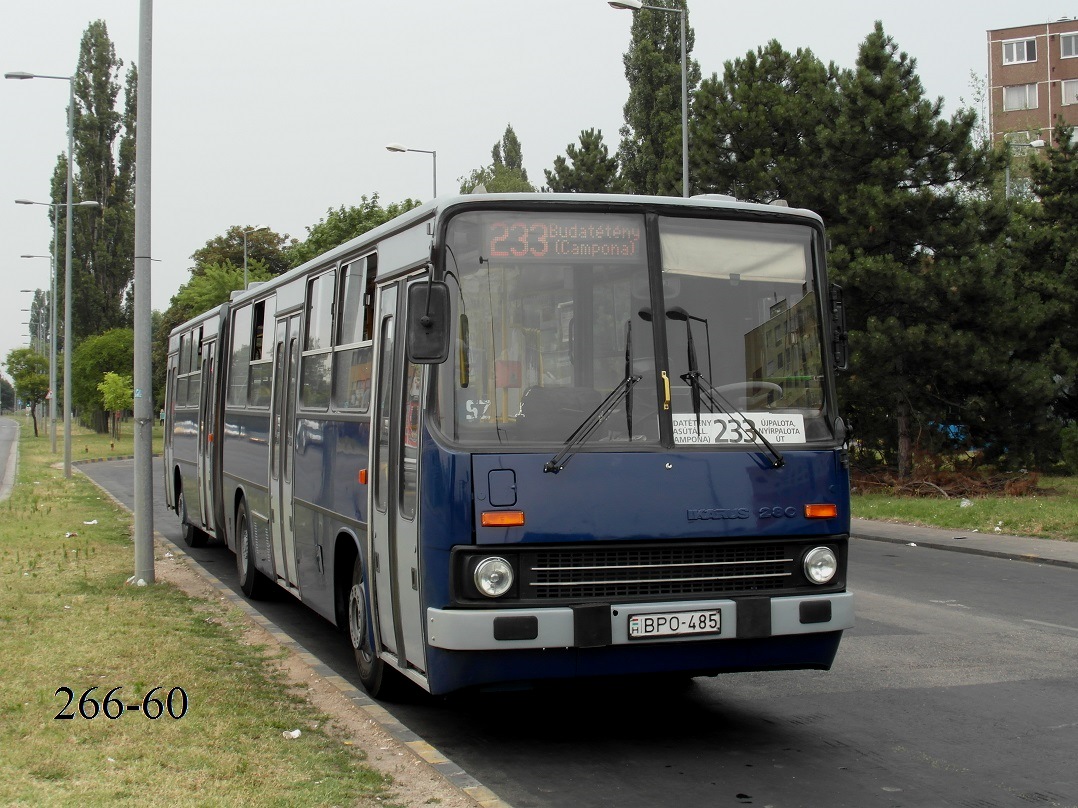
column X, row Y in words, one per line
column 174, row 704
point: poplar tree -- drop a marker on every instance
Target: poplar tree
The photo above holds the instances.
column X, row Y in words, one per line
column 587, row 169
column 650, row 150
column 506, row 174
column 102, row 239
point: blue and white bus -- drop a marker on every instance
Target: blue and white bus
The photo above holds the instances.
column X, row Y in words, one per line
column 514, row 438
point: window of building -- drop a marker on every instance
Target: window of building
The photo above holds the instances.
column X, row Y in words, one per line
column 1070, row 91
column 1019, row 50
column 1021, row 96
column 1068, row 45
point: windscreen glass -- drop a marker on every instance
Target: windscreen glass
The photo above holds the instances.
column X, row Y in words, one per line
column 547, row 330
column 743, row 331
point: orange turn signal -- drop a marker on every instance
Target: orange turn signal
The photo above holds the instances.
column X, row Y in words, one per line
column 502, row 518
column 826, row 510
column 362, row 476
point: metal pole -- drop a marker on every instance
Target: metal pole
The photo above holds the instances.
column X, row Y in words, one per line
column 434, row 154
column 67, row 278
column 245, row 260
column 684, row 110
column 144, row 563
column 52, row 329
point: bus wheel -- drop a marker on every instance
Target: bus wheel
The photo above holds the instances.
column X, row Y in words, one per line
column 373, row 671
column 192, row 536
column 252, row 582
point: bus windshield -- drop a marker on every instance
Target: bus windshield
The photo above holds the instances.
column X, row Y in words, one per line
column 556, row 328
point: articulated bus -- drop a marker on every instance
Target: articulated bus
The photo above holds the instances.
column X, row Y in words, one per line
column 504, row 439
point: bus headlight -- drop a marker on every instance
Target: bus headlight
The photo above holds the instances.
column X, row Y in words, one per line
column 493, row 577
column 820, row 565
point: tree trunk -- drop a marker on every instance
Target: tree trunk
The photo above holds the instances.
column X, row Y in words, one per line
column 905, row 443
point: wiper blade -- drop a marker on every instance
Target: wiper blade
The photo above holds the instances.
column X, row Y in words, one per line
column 719, row 402
column 589, row 424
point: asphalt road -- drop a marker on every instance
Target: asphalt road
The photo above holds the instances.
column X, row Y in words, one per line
column 957, row 687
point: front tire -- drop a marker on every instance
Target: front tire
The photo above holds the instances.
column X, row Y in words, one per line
column 252, row 582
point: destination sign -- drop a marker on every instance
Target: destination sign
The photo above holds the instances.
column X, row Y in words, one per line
column 569, row 239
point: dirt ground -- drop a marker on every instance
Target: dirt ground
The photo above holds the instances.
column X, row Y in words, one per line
column 415, row 784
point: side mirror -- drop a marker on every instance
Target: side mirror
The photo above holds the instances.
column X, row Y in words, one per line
column 840, row 344
column 428, row 322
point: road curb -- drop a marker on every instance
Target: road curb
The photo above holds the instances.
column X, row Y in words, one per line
column 969, row 549
column 423, row 751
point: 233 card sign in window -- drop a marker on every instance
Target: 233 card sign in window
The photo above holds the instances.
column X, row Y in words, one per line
column 563, row 239
column 743, row 428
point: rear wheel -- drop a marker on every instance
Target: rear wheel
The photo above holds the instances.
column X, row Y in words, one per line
column 252, row 582
column 192, row 536
column 378, row 679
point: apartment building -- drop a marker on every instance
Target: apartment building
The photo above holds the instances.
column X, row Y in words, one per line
column 1032, row 80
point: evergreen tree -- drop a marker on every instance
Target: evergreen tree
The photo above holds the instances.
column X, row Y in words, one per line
column 905, row 194
column 755, row 132
column 650, row 151
column 1045, row 239
column 588, row 169
column 103, row 239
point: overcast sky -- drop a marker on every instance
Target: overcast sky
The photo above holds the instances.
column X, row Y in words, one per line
column 271, row 112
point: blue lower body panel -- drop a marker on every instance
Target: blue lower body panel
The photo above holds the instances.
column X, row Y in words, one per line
column 452, row 670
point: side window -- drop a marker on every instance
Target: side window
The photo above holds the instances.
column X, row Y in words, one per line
column 194, row 388
column 318, row 342
column 353, row 352
column 240, row 358
column 261, row 359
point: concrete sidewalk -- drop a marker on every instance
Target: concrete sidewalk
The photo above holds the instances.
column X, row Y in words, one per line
column 997, row 545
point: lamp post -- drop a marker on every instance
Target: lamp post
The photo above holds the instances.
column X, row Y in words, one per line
column 399, row 147
column 245, row 232
column 67, row 321
column 67, row 274
column 1033, row 144
column 636, row 5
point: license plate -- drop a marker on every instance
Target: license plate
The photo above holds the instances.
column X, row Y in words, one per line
column 673, row 624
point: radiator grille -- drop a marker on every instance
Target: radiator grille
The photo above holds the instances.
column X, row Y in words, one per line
column 667, row 571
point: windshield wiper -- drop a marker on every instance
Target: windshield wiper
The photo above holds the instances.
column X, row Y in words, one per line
column 589, row 424
column 719, row 402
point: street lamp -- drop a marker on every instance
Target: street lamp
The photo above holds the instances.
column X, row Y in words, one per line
column 67, row 275
column 399, row 147
column 1033, row 144
column 636, row 5
column 245, row 232
column 67, row 321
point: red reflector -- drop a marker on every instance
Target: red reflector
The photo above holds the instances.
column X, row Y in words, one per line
column 821, row 511
column 502, row 518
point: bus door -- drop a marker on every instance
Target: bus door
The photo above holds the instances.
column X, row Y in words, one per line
column 394, row 528
column 206, row 437
column 282, row 438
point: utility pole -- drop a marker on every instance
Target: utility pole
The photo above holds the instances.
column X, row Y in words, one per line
column 144, row 404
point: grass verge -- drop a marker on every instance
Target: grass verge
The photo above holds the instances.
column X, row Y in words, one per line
column 69, row 619
column 1051, row 513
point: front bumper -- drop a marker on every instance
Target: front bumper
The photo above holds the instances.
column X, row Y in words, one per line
column 594, row 626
